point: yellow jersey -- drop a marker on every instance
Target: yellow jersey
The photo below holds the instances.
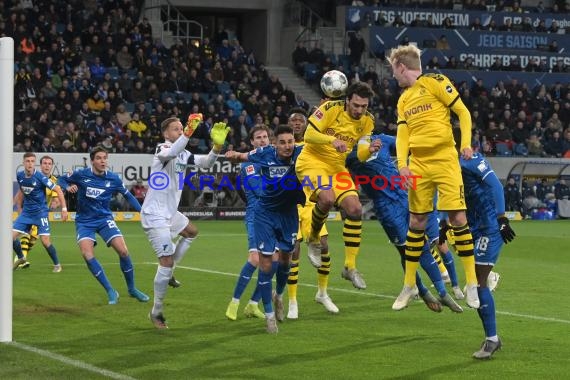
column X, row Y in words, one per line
column 332, row 120
column 50, row 194
column 424, row 109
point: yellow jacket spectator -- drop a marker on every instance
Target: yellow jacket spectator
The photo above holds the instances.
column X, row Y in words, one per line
column 136, row 125
column 95, row 103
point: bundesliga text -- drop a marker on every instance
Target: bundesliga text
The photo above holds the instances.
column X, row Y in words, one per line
column 342, row 181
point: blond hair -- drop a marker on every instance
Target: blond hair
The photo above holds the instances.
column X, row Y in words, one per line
column 408, row 56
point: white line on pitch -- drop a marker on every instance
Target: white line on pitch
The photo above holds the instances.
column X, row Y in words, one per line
column 71, row 362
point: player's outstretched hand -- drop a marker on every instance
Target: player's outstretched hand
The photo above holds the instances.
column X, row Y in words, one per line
column 507, row 233
column 192, row 124
column 443, row 228
column 219, row 132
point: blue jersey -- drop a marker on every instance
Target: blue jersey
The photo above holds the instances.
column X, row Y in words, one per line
column 380, row 169
column 483, row 194
column 280, row 188
column 94, row 193
column 34, row 190
column 250, row 183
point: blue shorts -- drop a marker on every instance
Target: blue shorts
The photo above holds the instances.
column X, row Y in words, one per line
column 487, row 247
column 394, row 218
column 251, row 245
column 276, row 229
column 24, row 223
column 106, row 228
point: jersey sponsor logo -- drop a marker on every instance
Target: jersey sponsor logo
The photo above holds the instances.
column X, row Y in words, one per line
column 27, row 190
column 93, row 192
column 331, row 104
column 331, row 132
column 318, row 114
column 438, row 77
column 418, row 109
column 249, row 170
column 278, row 171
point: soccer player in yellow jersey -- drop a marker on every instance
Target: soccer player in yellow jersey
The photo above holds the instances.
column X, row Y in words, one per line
column 298, row 121
column 425, row 131
column 334, row 129
column 28, row 241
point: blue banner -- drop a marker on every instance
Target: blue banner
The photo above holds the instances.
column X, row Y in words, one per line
column 458, row 39
column 358, row 17
column 491, row 78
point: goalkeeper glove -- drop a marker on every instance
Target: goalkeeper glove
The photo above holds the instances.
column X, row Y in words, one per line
column 218, row 135
column 192, row 124
column 505, row 229
column 443, row 228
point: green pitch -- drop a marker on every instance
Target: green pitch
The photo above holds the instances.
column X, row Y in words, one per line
column 64, row 329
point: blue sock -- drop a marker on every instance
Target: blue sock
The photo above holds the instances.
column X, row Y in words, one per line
column 244, row 278
column 52, row 254
column 17, row 248
column 128, row 271
column 99, row 273
column 256, row 296
column 487, row 311
column 430, row 267
column 264, row 286
column 450, row 266
column 281, row 277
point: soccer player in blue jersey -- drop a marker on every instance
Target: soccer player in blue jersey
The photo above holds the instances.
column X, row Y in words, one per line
column 486, row 214
column 391, row 206
column 249, row 174
column 95, row 187
column 35, row 212
column 276, row 219
column 160, row 218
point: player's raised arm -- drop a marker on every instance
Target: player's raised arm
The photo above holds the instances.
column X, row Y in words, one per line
column 234, row 156
column 218, row 135
column 366, row 147
column 176, row 136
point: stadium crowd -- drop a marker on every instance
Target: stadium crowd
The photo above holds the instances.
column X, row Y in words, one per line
column 90, row 73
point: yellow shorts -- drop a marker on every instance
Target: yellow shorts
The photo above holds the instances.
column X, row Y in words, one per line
column 305, row 216
column 316, row 176
column 33, row 232
column 440, row 171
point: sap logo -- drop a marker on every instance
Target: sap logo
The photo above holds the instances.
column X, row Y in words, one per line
column 179, row 168
column 27, row 190
column 278, row 171
column 93, row 192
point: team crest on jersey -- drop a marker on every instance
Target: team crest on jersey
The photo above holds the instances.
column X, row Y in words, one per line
column 318, row 114
column 107, row 184
column 329, row 132
column 482, row 166
column 93, row 192
column 278, row 171
column 249, row 170
column 27, row 190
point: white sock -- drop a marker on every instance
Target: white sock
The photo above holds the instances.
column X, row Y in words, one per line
column 161, row 279
column 181, row 247
column 494, row 338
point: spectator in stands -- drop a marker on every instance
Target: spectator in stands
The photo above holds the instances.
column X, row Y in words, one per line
column 512, row 196
column 452, row 63
column 476, row 24
column 554, row 145
column 561, row 190
column 554, row 28
column 398, row 22
column 136, row 125
column 357, row 46
column 507, row 25
column 447, row 23
column 433, row 63
column 300, row 57
column 442, row 43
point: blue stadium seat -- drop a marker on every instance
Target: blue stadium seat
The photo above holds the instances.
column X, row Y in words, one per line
column 311, row 72
column 114, row 72
column 129, row 107
column 503, row 149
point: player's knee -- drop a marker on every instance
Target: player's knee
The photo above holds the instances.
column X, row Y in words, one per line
column 190, row 231
column 326, row 200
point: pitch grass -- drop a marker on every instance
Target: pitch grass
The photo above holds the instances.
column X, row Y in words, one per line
column 67, row 314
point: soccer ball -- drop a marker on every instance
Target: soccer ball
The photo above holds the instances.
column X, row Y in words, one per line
column 334, row 83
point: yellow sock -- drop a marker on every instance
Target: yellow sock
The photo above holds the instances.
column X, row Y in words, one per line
column 438, row 261
column 351, row 235
column 318, row 218
column 292, row 280
column 26, row 245
column 323, row 272
column 415, row 241
column 464, row 247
